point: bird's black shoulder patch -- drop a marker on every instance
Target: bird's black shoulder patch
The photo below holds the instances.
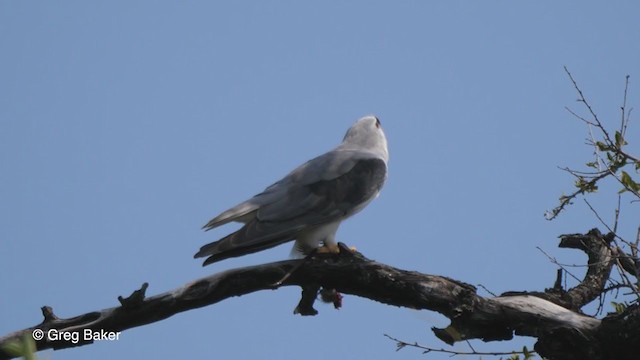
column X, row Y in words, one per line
column 354, row 187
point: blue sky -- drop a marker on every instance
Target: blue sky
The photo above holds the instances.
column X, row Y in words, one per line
column 125, row 126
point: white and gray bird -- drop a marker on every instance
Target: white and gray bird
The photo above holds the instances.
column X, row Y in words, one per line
column 309, row 203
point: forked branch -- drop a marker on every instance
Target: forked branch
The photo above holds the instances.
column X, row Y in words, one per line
column 472, row 316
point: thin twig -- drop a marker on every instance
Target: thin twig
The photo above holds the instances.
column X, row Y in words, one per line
column 586, row 103
column 598, row 216
column 624, row 120
column 401, row 344
column 555, row 261
column 616, row 216
column 487, row 290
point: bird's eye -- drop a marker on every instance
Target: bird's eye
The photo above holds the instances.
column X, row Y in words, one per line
column 378, row 123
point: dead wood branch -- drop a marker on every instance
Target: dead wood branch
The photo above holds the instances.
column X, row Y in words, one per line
column 552, row 316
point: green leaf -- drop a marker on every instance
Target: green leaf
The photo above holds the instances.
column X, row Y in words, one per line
column 592, row 164
column 585, row 186
column 601, row 146
column 14, row 348
column 25, row 347
column 620, row 140
column 618, row 307
column 453, row 332
column 527, row 354
column 628, row 182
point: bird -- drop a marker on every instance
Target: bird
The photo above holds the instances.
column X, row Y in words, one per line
column 309, row 203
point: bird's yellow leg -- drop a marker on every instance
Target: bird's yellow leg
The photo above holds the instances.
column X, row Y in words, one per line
column 328, row 249
column 334, row 249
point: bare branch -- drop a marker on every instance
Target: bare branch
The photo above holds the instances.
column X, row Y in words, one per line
column 561, row 266
column 402, row 344
column 586, row 103
column 552, row 316
column 624, row 118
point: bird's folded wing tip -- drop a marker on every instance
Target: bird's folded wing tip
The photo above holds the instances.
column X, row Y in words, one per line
column 202, row 252
column 210, row 260
column 210, row 225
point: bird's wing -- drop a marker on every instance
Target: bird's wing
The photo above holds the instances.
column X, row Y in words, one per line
column 325, row 167
column 323, row 190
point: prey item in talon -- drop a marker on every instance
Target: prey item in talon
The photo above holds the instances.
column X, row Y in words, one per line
column 331, row 296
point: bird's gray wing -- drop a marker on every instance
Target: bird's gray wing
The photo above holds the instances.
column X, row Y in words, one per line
column 324, row 167
column 301, row 204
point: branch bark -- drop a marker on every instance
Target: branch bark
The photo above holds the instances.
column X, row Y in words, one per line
column 552, row 316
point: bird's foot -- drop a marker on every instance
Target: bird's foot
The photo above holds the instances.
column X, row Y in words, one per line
column 339, row 248
column 328, row 249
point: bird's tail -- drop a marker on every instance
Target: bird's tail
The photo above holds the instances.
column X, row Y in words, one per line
column 247, row 240
column 241, row 213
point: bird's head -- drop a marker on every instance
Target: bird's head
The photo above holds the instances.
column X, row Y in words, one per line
column 367, row 133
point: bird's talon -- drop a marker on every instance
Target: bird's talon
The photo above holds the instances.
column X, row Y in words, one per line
column 346, row 250
column 328, row 249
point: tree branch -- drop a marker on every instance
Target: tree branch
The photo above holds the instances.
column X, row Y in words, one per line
column 472, row 316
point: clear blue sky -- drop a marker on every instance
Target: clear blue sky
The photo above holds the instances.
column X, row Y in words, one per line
column 125, row 126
